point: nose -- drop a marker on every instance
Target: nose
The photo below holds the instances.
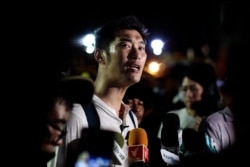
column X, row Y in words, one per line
column 189, row 93
column 135, row 53
column 60, row 136
column 59, row 141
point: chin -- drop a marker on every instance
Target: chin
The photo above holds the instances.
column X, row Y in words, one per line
column 136, row 80
column 50, row 149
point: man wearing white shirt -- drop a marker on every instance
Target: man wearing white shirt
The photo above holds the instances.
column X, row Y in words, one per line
column 120, row 51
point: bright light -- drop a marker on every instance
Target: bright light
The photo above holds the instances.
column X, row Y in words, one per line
column 154, row 67
column 157, row 46
column 89, row 49
column 89, row 42
column 157, row 43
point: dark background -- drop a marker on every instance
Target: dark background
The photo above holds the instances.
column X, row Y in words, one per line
column 46, row 32
column 38, row 36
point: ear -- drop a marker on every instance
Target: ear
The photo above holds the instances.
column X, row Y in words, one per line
column 98, row 55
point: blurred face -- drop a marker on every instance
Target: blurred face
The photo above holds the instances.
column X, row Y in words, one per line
column 56, row 122
column 127, row 57
column 191, row 91
column 137, row 106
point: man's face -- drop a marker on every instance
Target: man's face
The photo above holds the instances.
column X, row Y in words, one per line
column 137, row 106
column 127, row 57
column 56, row 121
column 191, row 91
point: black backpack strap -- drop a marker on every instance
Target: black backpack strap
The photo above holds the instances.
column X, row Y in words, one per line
column 132, row 118
column 92, row 116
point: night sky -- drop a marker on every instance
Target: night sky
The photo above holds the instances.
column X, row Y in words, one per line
column 51, row 30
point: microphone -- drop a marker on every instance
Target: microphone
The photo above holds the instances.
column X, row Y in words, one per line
column 138, row 153
column 118, row 156
column 171, row 139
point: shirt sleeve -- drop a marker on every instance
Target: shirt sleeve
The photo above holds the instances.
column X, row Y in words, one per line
column 212, row 137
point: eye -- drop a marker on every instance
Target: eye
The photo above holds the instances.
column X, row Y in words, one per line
column 58, row 127
column 193, row 88
column 125, row 45
column 184, row 89
column 142, row 48
column 140, row 103
column 130, row 101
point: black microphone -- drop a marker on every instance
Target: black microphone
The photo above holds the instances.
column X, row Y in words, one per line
column 191, row 142
column 171, row 136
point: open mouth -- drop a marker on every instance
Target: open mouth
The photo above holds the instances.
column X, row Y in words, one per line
column 133, row 67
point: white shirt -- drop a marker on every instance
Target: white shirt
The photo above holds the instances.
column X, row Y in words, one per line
column 109, row 120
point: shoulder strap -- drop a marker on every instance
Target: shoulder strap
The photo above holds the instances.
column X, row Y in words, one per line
column 92, row 116
column 132, row 118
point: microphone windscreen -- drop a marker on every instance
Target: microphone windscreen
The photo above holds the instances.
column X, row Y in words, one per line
column 169, row 133
column 119, row 139
column 137, row 136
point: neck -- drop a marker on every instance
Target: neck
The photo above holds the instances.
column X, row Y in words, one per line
column 112, row 97
column 191, row 112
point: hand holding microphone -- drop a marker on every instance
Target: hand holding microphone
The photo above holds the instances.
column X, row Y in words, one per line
column 138, row 153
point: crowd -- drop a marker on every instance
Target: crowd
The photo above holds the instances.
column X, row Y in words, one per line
column 78, row 118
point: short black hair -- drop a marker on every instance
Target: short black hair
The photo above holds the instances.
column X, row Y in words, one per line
column 142, row 92
column 106, row 33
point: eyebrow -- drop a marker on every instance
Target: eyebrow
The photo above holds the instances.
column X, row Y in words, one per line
column 127, row 39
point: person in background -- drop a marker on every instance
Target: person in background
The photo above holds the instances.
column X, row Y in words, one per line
column 120, row 51
column 178, row 133
column 219, row 127
column 51, row 116
column 138, row 98
column 137, row 106
column 55, row 112
column 55, row 103
column 236, row 74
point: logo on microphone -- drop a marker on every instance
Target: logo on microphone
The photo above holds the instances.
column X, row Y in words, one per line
column 134, row 152
column 138, row 153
